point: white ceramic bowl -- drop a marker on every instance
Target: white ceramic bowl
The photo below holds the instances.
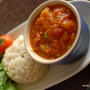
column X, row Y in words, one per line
column 31, row 18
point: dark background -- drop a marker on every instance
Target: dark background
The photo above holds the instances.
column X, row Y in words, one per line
column 15, row 12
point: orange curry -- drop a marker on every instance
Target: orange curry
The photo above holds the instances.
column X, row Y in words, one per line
column 53, row 31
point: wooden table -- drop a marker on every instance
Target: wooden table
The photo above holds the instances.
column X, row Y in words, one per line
column 13, row 13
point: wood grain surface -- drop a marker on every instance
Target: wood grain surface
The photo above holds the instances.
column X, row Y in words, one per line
column 15, row 12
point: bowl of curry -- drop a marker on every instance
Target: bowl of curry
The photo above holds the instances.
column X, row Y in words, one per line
column 52, row 31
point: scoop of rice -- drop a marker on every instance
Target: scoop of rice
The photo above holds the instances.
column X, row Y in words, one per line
column 19, row 66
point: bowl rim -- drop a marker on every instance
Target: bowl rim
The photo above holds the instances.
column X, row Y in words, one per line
column 33, row 15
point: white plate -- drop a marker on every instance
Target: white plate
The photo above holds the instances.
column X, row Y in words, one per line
column 59, row 73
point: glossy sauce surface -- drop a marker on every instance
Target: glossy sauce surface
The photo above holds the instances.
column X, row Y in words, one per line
column 53, row 31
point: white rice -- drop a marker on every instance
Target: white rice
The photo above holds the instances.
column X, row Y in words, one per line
column 19, row 66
